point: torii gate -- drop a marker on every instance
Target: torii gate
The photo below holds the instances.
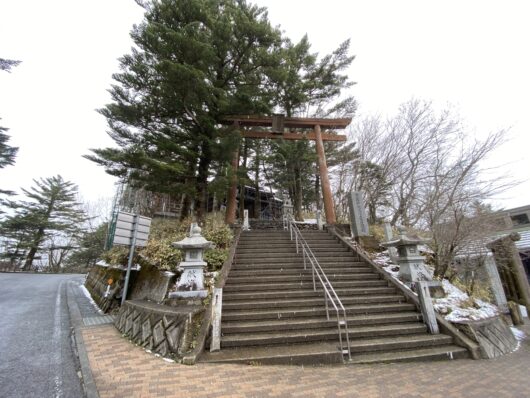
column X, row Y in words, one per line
column 278, row 124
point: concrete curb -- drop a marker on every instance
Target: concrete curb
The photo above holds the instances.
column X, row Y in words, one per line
column 76, row 320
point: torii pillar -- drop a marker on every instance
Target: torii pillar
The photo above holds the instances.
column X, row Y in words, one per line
column 329, row 208
column 277, row 126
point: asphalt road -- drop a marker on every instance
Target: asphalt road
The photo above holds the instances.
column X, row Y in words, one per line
column 36, row 355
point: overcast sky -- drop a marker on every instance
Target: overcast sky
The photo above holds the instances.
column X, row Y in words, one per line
column 471, row 54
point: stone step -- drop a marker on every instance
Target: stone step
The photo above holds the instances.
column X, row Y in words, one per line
column 294, row 354
column 275, row 295
column 259, row 251
column 395, row 343
column 258, row 244
column 306, row 335
column 261, row 313
column 233, row 286
column 299, row 271
column 299, row 267
column 292, row 254
column 295, row 260
column 277, row 325
column 435, row 353
column 306, row 276
column 281, row 239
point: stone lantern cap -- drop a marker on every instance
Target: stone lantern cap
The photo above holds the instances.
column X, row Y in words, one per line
column 404, row 240
column 194, row 241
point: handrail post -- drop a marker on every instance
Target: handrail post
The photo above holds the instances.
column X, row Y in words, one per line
column 313, row 273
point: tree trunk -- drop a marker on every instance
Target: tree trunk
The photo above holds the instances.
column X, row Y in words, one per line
column 257, row 200
column 242, row 180
column 297, row 194
column 31, row 254
column 202, row 180
column 317, row 192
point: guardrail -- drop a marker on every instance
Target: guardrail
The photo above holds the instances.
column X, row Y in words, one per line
column 330, row 295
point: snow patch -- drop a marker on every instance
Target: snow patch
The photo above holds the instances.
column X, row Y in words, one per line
column 89, row 297
column 383, row 259
column 168, row 360
column 518, row 334
column 458, row 307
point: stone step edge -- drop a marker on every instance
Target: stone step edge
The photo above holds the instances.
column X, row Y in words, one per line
column 443, row 352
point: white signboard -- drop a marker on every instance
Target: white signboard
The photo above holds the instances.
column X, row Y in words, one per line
column 125, row 228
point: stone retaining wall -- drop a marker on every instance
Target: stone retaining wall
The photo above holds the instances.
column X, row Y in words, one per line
column 147, row 284
column 97, row 283
column 493, row 336
column 168, row 331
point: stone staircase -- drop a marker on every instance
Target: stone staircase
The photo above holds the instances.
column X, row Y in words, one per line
column 271, row 314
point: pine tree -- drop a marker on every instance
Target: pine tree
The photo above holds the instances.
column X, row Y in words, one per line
column 51, row 211
column 91, row 245
column 194, row 62
column 305, row 86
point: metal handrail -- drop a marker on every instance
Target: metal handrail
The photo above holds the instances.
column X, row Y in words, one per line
column 329, row 292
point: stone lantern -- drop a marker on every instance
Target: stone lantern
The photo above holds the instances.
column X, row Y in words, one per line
column 191, row 282
column 411, row 265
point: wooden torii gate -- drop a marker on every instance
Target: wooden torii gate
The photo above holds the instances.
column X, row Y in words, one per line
column 278, row 125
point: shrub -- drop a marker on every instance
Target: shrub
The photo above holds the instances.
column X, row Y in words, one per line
column 160, row 252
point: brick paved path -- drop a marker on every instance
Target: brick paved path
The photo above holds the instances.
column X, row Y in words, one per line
column 121, row 369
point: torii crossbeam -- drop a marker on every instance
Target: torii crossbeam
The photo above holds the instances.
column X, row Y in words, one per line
column 274, row 127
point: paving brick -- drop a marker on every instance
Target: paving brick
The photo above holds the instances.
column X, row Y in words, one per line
column 121, row 369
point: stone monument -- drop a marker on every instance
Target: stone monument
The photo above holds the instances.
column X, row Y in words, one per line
column 191, row 282
column 389, row 235
column 358, row 219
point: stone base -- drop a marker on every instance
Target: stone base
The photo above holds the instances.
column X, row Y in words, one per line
column 414, row 272
column 188, row 294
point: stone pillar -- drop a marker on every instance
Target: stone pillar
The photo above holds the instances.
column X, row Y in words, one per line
column 217, row 306
column 389, row 235
column 496, row 285
column 509, row 262
column 246, row 225
column 358, row 219
column 427, row 309
column 319, row 220
column 324, row 178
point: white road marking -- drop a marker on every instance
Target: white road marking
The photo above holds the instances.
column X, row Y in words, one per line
column 56, row 343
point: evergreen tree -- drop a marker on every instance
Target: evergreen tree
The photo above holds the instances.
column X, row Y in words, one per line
column 7, row 64
column 194, row 62
column 305, row 86
column 7, row 152
column 51, row 212
column 91, row 245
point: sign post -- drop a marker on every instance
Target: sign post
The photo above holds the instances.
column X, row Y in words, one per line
column 131, row 230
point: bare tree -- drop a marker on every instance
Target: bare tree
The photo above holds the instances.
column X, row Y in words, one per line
column 434, row 171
